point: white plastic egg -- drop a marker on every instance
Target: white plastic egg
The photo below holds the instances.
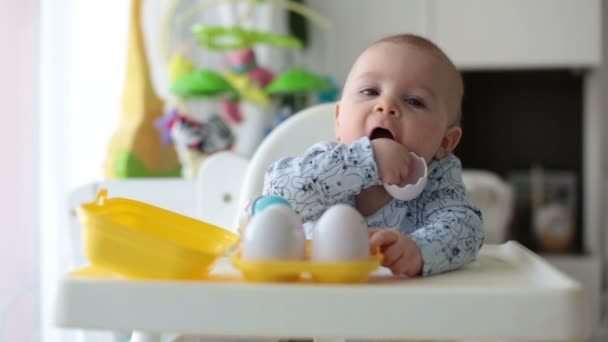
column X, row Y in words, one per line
column 340, row 235
column 276, row 233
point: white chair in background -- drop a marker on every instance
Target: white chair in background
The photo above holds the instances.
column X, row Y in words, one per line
column 495, row 198
column 218, row 188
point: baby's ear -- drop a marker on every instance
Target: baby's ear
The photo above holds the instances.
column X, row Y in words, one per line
column 450, row 141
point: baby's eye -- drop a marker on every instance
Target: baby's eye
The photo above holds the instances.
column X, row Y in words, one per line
column 369, row 92
column 414, row 102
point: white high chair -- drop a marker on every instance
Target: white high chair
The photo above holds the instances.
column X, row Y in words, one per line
column 508, row 292
column 291, row 138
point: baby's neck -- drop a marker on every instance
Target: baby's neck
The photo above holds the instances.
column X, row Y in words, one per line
column 370, row 200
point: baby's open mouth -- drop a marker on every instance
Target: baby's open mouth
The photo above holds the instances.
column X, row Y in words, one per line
column 380, row 132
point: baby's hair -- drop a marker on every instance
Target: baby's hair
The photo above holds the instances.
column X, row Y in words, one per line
column 423, row 43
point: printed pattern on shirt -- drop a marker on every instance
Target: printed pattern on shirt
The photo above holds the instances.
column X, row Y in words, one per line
column 327, row 174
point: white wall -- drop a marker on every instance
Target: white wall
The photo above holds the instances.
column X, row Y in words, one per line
column 355, row 25
column 18, row 242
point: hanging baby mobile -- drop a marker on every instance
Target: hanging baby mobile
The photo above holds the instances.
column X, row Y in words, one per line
column 241, row 87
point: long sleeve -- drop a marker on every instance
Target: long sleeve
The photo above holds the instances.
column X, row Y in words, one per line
column 451, row 231
column 327, row 174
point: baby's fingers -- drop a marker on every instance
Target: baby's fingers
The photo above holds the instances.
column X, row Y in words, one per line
column 373, row 231
column 392, row 256
column 382, row 238
column 403, row 267
column 394, row 178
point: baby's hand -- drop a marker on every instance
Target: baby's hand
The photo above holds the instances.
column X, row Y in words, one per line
column 393, row 161
column 401, row 254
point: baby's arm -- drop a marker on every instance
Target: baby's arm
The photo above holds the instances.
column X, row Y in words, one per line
column 327, row 174
column 452, row 233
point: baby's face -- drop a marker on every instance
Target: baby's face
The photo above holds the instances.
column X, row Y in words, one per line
column 398, row 91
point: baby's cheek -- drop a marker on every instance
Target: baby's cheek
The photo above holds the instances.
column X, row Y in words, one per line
column 350, row 129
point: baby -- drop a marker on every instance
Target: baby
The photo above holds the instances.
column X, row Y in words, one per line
column 403, row 94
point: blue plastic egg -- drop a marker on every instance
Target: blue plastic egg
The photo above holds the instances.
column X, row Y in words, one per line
column 264, row 202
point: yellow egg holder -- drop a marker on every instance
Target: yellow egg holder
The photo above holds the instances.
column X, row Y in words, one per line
column 292, row 270
column 139, row 240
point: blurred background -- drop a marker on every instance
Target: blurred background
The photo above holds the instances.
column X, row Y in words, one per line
column 93, row 91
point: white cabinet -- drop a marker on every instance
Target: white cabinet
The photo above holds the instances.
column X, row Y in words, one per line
column 482, row 34
column 476, row 34
column 356, row 24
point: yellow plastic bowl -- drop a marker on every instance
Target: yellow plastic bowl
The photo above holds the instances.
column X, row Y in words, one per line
column 139, row 240
column 322, row 272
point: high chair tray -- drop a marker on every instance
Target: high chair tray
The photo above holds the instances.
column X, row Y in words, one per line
column 508, row 292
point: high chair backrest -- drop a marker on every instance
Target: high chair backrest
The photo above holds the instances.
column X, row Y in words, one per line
column 290, row 138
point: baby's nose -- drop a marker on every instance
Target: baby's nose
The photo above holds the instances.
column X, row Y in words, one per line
column 386, row 107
